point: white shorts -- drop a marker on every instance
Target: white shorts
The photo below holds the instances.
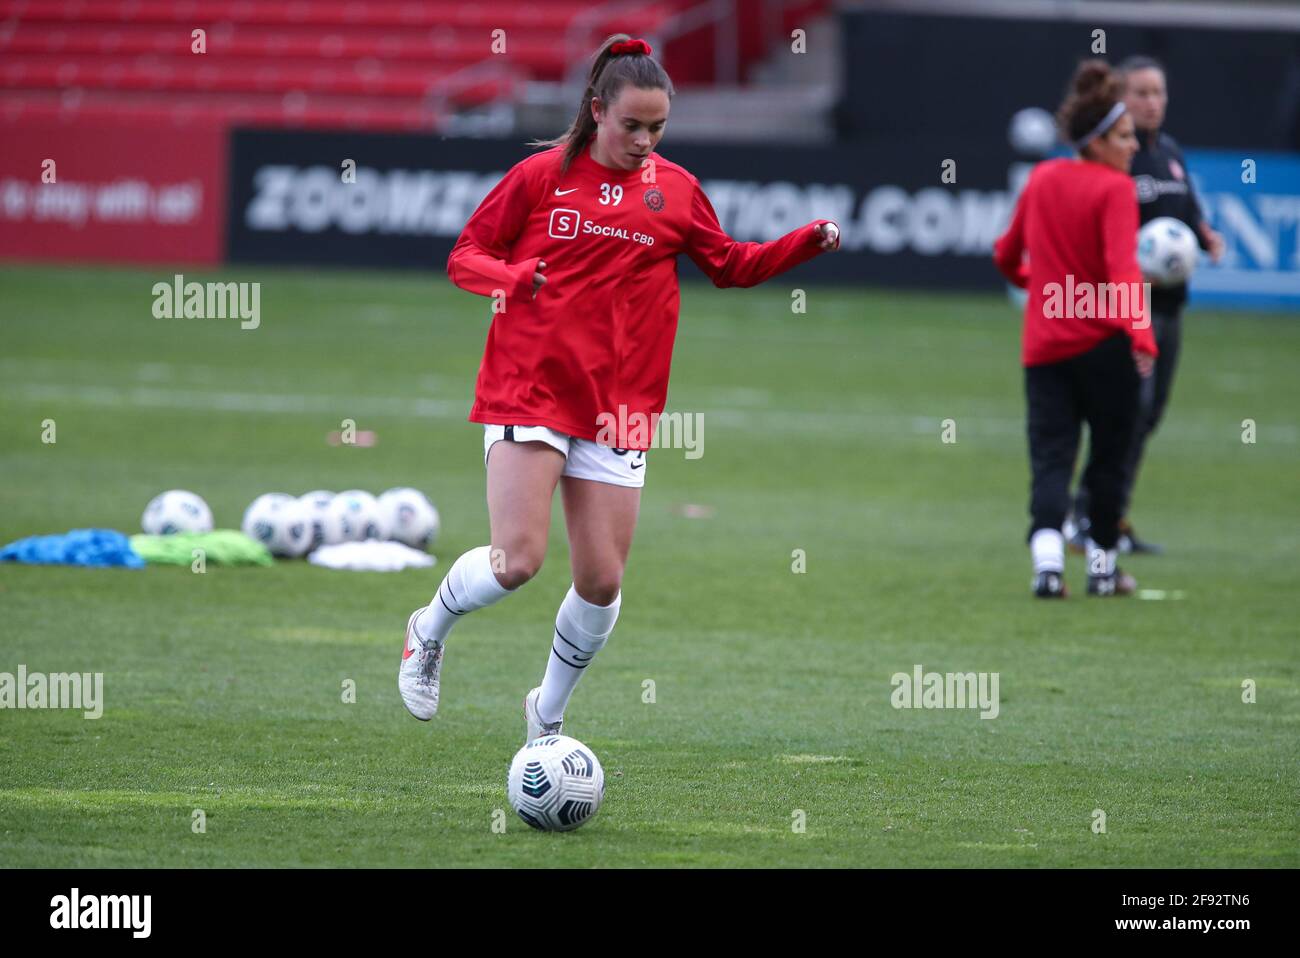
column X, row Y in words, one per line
column 583, row 458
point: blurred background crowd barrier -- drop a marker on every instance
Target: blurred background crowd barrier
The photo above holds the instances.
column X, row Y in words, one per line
column 209, row 131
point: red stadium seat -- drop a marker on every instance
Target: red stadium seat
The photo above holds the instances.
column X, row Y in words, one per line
column 383, row 64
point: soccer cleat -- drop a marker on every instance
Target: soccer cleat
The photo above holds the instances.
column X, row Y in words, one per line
column 420, row 673
column 536, row 727
column 1129, row 541
column 1050, row 585
column 1118, row 583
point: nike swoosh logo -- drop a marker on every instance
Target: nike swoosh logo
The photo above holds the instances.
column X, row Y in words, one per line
column 560, row 192
column 407, row 651
column 638, row 465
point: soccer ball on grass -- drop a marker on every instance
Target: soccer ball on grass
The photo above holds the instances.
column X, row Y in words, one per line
column 410, row 518
column 358, row 516
column 555, row 783
column 176, row 511
column 280, row 522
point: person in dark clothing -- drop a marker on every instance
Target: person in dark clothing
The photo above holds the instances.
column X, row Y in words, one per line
column 1164, row 188
column 1086, row 343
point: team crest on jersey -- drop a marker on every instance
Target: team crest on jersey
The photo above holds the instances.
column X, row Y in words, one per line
column 654, row 199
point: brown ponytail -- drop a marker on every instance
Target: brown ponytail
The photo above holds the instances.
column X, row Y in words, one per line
column 610, row 72
column 1093, row 91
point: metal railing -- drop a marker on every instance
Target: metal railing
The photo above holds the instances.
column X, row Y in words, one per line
column 726, row 40
column 577, row 36
column 438, row 97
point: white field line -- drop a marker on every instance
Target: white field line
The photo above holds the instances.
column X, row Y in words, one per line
column 756, row 420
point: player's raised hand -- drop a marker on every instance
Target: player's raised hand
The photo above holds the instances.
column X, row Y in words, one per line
column 828, row 235
column 538, row 278
column 1213, row 242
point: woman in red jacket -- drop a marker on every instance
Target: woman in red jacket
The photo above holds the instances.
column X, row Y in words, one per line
column 577, row 246
column 1087, row 335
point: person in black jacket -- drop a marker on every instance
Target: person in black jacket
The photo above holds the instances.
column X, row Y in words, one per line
column 1164, row 188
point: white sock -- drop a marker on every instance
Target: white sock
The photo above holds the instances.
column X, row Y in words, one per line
column 468, row 585
column 1100, row 561
column 1047, row 546
column 581, row 630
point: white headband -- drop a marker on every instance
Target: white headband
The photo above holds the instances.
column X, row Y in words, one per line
column 1106, row 123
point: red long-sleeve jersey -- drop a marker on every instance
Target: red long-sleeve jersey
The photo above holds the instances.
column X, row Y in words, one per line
column 599, row 333
column 1078, row 222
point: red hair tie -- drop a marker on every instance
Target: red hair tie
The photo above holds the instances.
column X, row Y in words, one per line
column 630, row 46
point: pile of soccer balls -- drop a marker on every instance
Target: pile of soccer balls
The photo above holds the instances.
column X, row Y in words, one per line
column 291, row 526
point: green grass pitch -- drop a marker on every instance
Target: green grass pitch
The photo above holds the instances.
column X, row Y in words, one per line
column 771, row 688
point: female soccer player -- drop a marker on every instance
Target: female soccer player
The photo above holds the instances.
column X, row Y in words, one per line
column 577, row 246
column 1164, row 188
column 1086, row 335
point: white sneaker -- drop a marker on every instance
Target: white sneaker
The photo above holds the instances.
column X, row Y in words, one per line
column 420, row 673
column 536, row 727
